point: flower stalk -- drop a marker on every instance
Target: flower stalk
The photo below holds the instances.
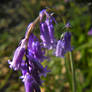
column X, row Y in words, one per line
column 68, row 74
column 30, row 29
column 73, row 73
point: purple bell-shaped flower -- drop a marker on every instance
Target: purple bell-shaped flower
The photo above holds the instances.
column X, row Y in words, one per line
column 18, row 55
column 63, row 45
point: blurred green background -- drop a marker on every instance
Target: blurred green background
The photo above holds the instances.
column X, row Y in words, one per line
column 15, row 15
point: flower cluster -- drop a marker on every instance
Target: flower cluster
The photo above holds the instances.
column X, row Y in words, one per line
column 34, row 52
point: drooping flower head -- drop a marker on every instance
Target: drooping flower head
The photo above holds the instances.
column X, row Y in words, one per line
column 60, row 49
column 67, row 41
column 34, row 51
column 47, row 30
column 18, row 55
column 63, row 45
column 49, row 22
column 44, row 35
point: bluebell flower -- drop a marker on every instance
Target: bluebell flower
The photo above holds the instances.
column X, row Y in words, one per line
column 44, row 35
column 63, row 45
column 60, row 51
column 49, row 23
column 30, row 84
column 18, row 55
column 67, row 41
column 47, row 30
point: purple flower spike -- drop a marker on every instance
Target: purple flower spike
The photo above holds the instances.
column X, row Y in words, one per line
column 90, row 32
column 30, row 84
column 34, row 52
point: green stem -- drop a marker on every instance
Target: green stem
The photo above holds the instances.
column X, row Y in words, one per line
column 68, row 74
column 73, row 74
